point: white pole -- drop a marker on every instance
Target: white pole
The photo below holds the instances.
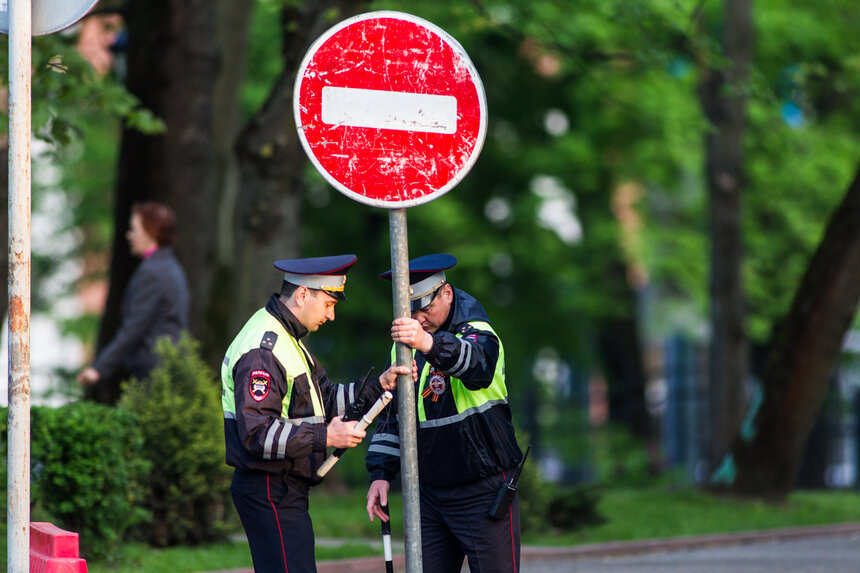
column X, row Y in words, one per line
column 20, row 128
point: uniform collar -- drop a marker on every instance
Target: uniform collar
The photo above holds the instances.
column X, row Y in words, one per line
column 279, row 310
column 446, row 326
column 465, row 308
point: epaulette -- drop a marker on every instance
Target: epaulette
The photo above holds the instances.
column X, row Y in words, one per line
column 269, row 340
column 466, row 328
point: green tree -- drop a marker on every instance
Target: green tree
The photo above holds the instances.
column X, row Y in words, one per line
column 590, row 196
column 802, row 358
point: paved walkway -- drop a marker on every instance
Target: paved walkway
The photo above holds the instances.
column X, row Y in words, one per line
column 537, row 555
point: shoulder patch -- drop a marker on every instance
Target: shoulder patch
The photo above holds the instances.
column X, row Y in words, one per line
column 469, row 332
column 259, row 384
column 269, row 340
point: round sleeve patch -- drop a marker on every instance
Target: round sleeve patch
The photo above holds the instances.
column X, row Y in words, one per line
column 259, row 384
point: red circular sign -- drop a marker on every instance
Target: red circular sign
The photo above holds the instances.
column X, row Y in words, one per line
column 390, row 109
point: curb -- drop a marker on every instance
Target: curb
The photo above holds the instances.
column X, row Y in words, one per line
column 531, row 553
column 628, row 548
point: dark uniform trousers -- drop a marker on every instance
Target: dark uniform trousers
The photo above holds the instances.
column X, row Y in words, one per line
column 274, row 513
column 455, row 523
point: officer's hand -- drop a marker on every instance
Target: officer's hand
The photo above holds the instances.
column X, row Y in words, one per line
column 377, row 496
column 409, row 332
column 340, row 434
column 388, row 379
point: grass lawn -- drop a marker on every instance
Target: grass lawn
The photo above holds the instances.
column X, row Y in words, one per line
column 631, row 514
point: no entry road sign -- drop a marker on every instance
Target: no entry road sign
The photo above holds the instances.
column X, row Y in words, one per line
column 390, row 109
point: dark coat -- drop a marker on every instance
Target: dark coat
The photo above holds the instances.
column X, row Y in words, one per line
column 259, row 423
column 481, row 444
column 155, row 304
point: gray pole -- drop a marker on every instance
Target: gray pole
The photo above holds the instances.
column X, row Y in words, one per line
column 20, row 58
column 406, row 395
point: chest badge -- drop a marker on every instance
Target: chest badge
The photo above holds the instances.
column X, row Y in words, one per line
column 436, row 386
column 261, row 382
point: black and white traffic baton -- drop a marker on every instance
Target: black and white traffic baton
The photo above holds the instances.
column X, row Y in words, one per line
column 386, row 541
column 365, row 421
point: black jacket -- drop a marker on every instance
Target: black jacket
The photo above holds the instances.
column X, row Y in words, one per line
column 260, row 421
column 155, row 304
column 479, row 445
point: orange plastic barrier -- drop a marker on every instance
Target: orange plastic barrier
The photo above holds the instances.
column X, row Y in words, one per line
column 54, row 550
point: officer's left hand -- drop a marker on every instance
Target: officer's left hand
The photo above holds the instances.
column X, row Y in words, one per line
column 388, row 379
column 410, row 332
column 377, row 496
column 340, row 434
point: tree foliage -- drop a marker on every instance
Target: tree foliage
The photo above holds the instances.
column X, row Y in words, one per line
column 582, row 228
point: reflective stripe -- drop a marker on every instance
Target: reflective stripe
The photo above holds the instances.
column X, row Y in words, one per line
column 345, row 396
column 229, row 416
column 393, row 438
column 269, row 442
column 341, row 406
column 461, row 416
column 465, row 359
column 385, row 450
column 282, row 441
column 287, row 426
column 299, row 421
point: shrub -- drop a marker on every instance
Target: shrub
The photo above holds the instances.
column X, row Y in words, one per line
column 179, row 414
column 546, row 507
column 87, row 473
column 573, row 507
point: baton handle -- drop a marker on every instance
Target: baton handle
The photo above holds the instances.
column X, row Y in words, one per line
column 374, row 410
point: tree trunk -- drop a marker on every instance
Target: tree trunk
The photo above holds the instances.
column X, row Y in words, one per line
column 271, row 165
column 804, row 352
column 217, row 296
column 621, row 356
column 172, row 67
column 722, row 95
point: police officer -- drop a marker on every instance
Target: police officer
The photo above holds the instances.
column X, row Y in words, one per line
column 281, row 412
column 466, row 442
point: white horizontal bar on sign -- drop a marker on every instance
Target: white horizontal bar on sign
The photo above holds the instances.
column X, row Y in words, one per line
column 380, row 109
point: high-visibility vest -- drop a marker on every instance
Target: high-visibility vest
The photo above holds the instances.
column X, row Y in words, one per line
column 468, row 402
column 289, row 352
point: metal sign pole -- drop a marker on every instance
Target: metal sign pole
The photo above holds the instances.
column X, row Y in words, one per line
column 389, row 89
column 20, row 128
column 406, row 396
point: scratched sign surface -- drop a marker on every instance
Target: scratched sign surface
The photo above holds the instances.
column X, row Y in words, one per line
column 390, row 109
